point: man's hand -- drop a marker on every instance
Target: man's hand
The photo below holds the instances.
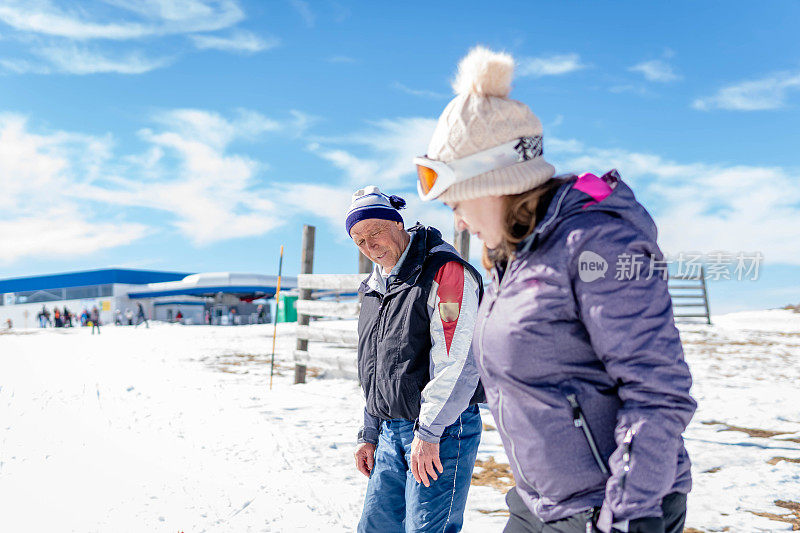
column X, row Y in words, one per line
column 424, row 456
column 365, row 457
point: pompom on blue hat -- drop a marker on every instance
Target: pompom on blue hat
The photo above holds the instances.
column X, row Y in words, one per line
column 370, row 202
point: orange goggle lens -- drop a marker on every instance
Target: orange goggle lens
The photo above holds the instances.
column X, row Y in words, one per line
column 427, row 178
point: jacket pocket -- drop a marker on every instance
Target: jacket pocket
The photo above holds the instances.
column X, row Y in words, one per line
column 548, row 454
column 579, row 421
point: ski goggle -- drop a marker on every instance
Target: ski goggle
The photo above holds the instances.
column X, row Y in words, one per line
column 434, row 177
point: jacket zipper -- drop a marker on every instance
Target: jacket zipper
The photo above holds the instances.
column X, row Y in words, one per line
column 627, row 446
column 375, row 360
column 510, row 440
column 580, row 422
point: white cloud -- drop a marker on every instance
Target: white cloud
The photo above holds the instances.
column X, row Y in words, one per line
column 656, row 70
column 329, row 202
column 38, row 215
column 63, row 192
column 62, row 232
column 239, row 41
column 213, row 129
column 211, row 194
column 419, row 92
column 762, row 94
column 60, row 36
column 22, row 66
column 157, row 17
column 382, row 153
column 300, row 122
column 304, row 10
column 703, row 206
column 553, row 65
column 74, row 59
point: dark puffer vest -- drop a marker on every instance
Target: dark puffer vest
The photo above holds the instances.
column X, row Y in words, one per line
column 394, row 340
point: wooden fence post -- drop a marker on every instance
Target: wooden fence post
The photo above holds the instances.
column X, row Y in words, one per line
column 364, row 264
column 461, row 242
column 306, row 267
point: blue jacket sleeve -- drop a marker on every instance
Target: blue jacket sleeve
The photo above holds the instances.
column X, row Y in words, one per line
column 628, row 317
column 370, row 430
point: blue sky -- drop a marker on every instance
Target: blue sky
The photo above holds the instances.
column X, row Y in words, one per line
column 199, row 135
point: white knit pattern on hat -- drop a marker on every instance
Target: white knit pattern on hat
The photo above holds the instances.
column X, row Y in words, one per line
column 480, row 117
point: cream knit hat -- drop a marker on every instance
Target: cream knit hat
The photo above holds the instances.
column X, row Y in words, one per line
column 480, row 117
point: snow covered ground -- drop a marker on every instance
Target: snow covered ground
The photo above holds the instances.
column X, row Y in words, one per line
column 175, row 429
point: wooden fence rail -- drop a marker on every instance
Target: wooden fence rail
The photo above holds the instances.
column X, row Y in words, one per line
column 319, row 294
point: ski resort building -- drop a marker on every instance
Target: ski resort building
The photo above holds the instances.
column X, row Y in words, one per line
column 223, row 297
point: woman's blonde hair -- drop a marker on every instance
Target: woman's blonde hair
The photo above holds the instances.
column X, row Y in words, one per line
column 520, row 221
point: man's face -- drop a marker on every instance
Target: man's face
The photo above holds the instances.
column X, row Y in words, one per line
column 382, row 241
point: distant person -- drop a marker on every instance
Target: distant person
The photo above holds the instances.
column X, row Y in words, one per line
column 57, row 320
column 207, row 317
column 117, row 317
column 44, row 318
column 262, row 314
column 84, row 317
column 128, row 316
column 179, row 317
column 67, row 317
column 95, row 319
column 140, row 316
column 9, row 324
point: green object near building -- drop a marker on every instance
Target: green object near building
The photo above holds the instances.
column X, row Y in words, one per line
column 287, row 309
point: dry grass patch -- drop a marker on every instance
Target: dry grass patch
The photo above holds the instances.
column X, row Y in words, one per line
column 751, row 432
column 712, row 470
column 495, row 512
column 776, row 460
column 239, row 363
column 792, row 518
column 493, row 474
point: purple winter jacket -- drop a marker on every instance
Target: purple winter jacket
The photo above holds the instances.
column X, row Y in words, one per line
column 583, row 367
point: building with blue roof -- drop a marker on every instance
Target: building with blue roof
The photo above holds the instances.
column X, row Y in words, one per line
column 221, row 297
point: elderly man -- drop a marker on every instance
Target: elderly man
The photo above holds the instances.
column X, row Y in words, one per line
column 422, row 426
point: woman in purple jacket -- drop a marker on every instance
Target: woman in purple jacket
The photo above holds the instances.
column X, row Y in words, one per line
column 575, row 340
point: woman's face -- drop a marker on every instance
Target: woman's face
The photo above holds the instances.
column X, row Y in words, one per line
column 483, row 217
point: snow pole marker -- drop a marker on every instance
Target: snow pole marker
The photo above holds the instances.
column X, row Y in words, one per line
column 275, row 319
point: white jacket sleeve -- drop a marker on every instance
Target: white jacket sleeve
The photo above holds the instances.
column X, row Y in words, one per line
column 453, row 310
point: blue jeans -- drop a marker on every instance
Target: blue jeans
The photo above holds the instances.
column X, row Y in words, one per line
column 395, row 502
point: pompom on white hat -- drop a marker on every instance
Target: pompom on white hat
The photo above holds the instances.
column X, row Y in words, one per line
column 481, row 117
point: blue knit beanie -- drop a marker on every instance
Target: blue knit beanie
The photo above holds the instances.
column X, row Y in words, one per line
column 370, row 202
